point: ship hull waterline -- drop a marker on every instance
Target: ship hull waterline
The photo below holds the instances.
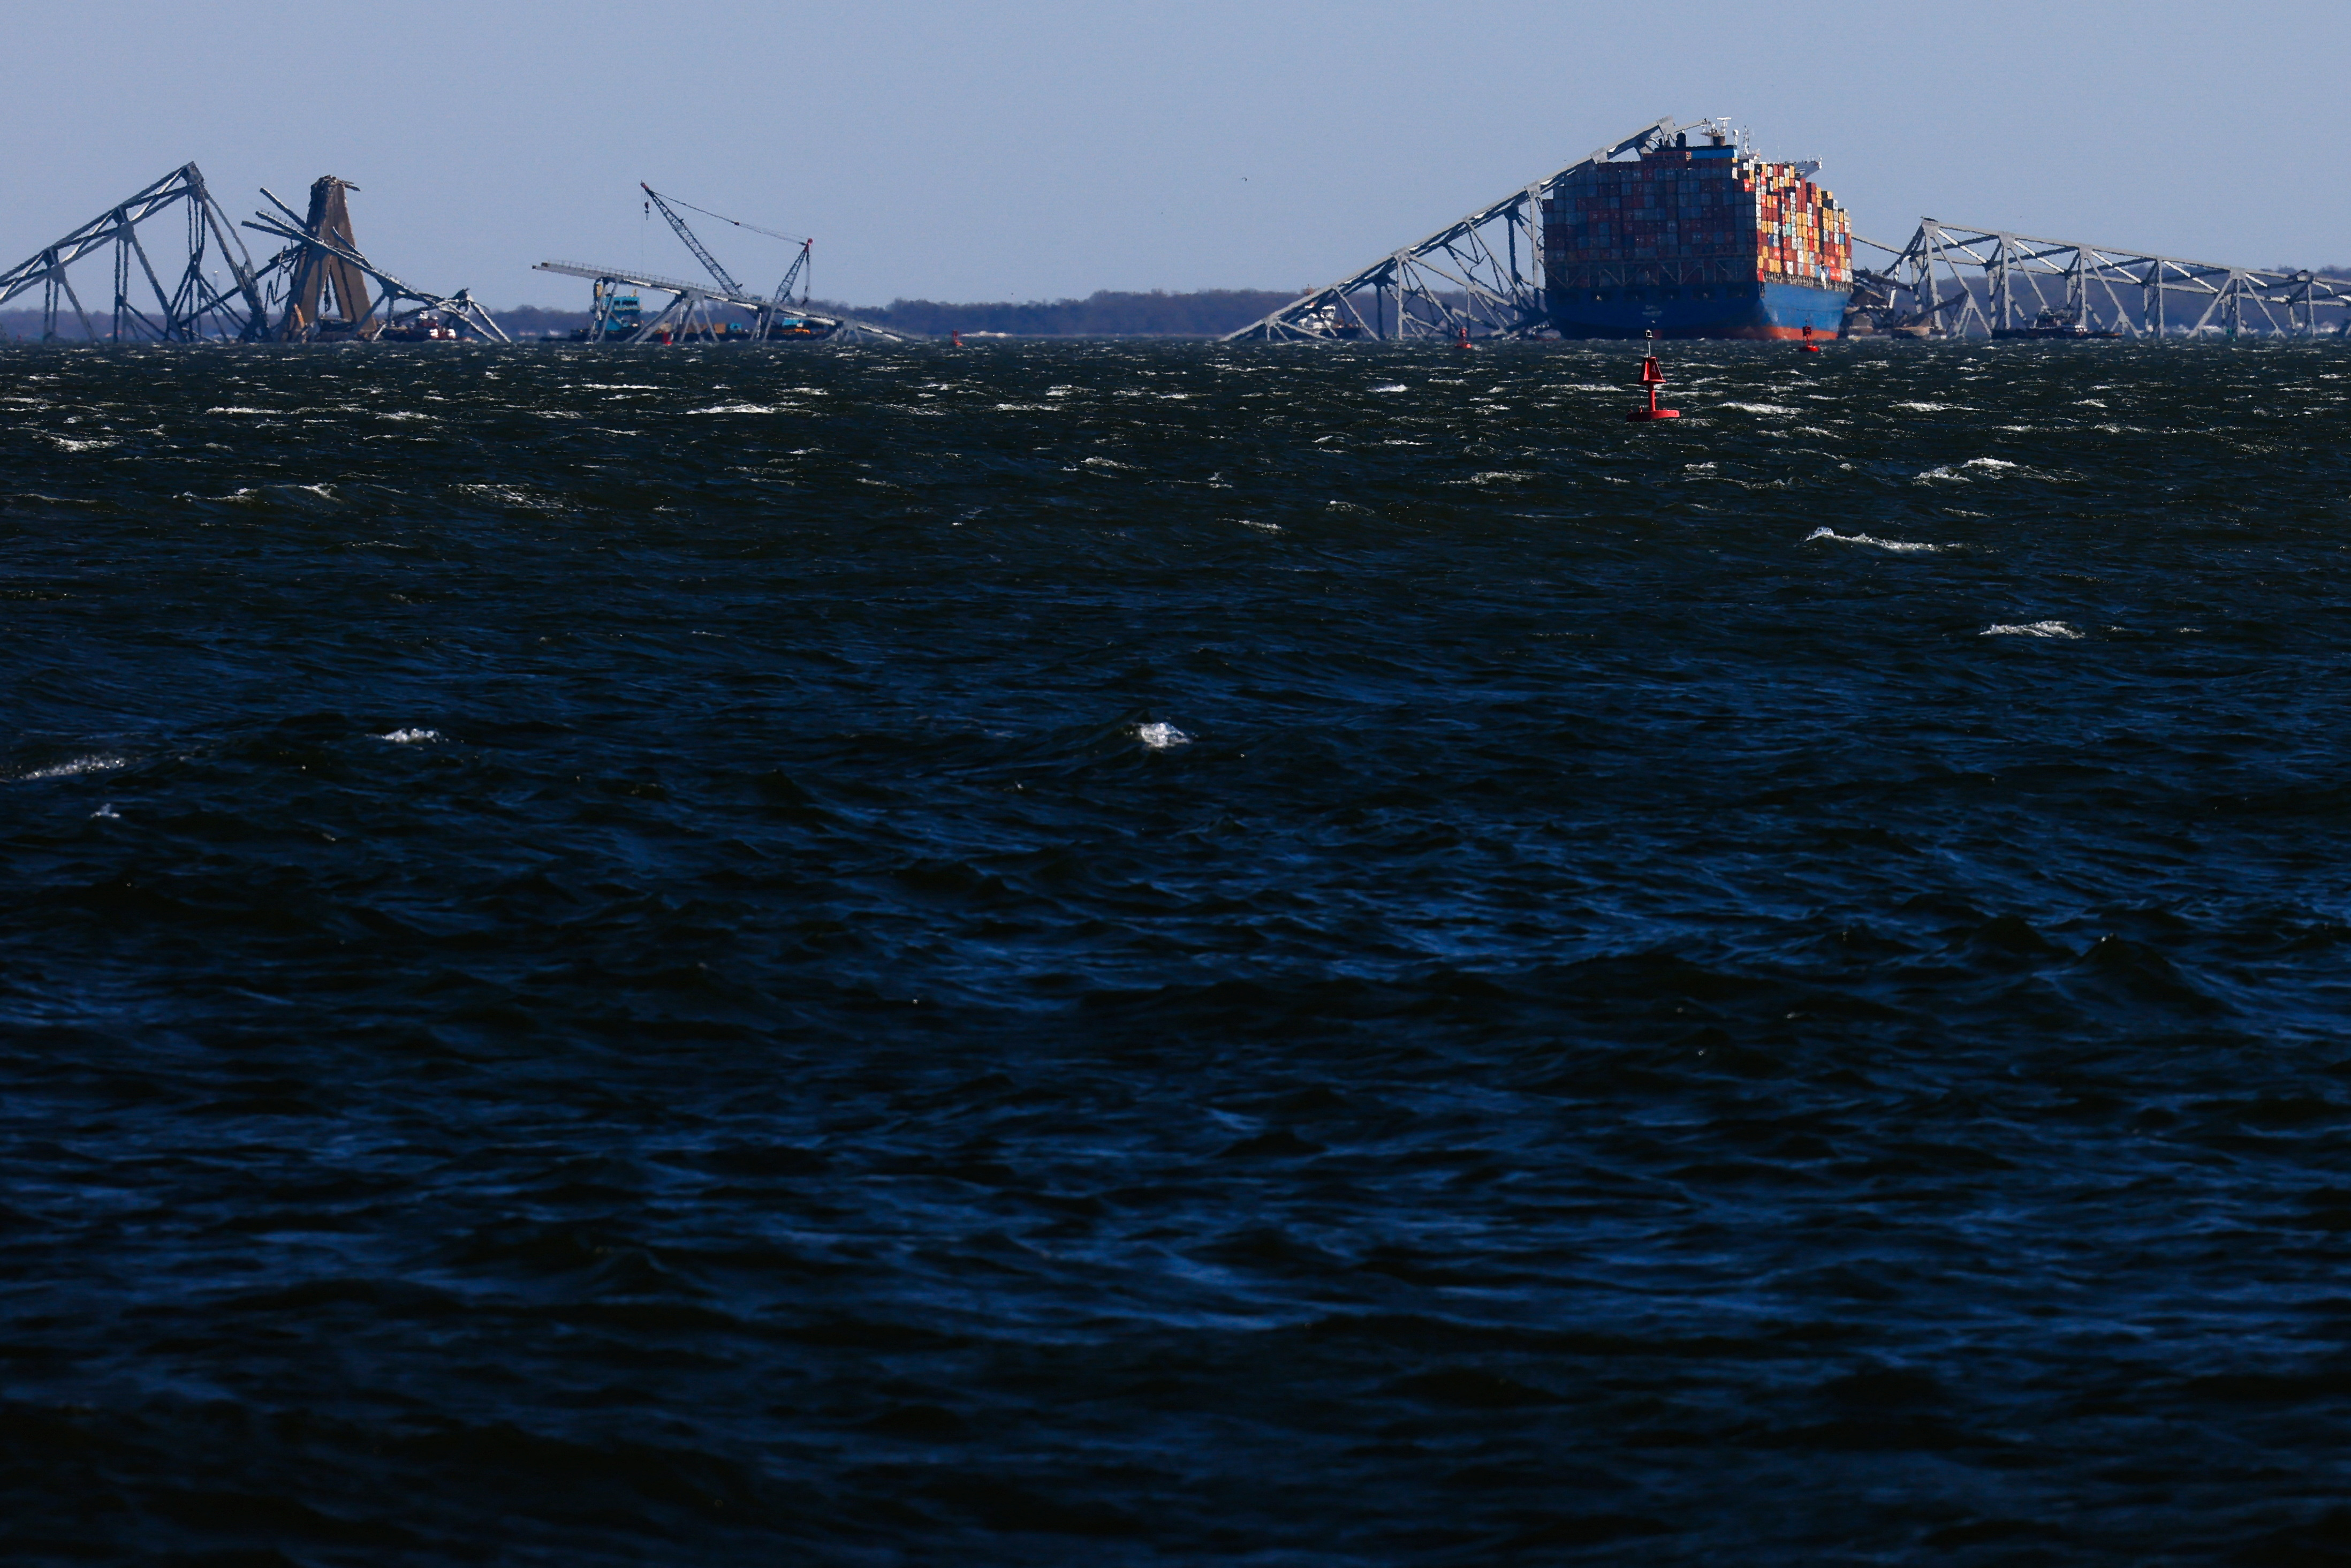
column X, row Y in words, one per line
column 1781, row 313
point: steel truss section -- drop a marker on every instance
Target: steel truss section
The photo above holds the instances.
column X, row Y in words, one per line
column 1482, row 275
column 1964, row 280
column 688, row 316
column 191, row 307
column 327, row 249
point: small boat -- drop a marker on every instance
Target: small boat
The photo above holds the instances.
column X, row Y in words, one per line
column 425, row 327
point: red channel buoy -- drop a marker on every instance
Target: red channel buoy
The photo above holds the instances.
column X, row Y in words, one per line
column 1465, row 336
column 955, row 340
column 1810, row 347
column 1652, row 378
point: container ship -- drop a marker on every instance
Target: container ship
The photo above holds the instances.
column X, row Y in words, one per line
column 1704, row 241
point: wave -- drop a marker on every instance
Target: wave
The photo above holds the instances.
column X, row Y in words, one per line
column 76, row 767
column 1899, row 546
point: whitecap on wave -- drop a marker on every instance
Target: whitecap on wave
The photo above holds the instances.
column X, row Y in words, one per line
column 1973, row 468
column 1161, row 737
column 77, row 766
column 266, row 495
column 409, row 737
column 2031, row 629
column 507, row 494
column 1900, row 547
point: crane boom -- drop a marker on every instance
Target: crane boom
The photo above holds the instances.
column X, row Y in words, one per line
column 692, row 244
column 799, row 263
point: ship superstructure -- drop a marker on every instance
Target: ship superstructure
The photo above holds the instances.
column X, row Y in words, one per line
column 1695, row 241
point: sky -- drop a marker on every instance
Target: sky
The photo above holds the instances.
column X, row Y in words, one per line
column 978, row 152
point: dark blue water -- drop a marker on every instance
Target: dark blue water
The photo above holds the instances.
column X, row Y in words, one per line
column 1112, row 954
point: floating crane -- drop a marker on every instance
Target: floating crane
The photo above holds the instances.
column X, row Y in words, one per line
column 689, row 316
column 725, row 278
column 710, row 263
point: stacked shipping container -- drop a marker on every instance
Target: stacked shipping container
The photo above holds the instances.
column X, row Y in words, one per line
column 1695, row 241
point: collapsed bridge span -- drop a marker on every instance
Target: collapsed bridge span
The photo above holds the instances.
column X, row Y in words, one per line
column 168, row 289
column 1953, row 281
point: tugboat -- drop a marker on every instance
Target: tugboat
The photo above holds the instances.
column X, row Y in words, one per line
column 791, row 329
column 1326, row 321
column 424, row 326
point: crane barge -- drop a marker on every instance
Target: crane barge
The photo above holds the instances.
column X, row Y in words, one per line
column 618, row 313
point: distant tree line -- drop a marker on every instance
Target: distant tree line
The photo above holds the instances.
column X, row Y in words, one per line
column 1106, row 313
column 1209, row 313
column 539, row 321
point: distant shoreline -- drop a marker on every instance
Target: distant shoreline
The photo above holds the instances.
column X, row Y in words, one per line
column 1107, row 313
column 1201, row 314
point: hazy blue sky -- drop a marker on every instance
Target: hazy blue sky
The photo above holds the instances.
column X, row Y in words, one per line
column 978, row 152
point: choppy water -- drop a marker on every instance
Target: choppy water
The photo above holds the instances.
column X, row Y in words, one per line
column 1114, row 955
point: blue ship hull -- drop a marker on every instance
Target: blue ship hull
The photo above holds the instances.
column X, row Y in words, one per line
column 1767, row 311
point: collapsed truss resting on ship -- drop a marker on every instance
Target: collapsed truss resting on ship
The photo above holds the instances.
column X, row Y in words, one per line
column 1957, row 281
column 192, row 304
column 1482, row 275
